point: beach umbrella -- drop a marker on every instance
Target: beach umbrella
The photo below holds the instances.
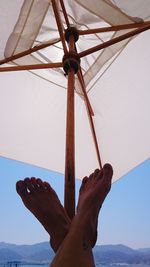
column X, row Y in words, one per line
column 74, row 91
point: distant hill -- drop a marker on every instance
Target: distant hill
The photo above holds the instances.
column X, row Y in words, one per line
column 110, row 254
column 9, row 255
column 42, row 253
column 145, row 250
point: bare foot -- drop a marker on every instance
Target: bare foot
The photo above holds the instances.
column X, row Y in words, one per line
column 42, row 201
column 93, row 191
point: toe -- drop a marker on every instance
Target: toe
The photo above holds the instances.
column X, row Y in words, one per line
column 108, row 170
column 84, row 181
column 97, row 174
column 91, row 176
column 40, row 183
column 47, row 185
column 34, row 183
column 21, row 188
column 107, row 174
column 29, row 184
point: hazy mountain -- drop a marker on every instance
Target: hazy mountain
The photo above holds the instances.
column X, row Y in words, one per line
column 37, row 252
column 26, row 251
column 145, row 250
column 9, row 255
column 43, row 253
column 119, row 254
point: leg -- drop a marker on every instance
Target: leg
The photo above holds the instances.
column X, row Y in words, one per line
column 43, row 202
column 76, row 249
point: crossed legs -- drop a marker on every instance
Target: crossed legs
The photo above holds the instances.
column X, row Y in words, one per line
column 73, row 241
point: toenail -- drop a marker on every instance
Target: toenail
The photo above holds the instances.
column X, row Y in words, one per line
column 19, row 183
column 84, row 179
column 26, row 179
column 39, row 180
column 107, row 166
column 33, row 179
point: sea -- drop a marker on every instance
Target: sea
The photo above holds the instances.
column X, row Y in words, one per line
column 97, row 265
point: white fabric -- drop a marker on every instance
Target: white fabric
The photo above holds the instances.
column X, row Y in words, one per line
column 33, row 107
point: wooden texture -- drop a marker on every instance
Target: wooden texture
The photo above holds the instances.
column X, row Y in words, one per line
column 32, row 67
column 59, row 25
column 90, row 114
column 65, row 13
column 69, row 200
column 113, row 41
column 27, row 52
column 82, row 84
column 114, row 28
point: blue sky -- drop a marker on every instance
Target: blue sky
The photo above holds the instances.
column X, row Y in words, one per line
column 124, row 218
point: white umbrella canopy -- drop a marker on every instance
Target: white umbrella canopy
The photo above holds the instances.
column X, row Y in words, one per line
column 33, row 103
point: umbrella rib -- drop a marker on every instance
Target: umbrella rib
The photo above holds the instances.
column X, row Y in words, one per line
column 81, row 80
column 65, row 13
column 82, row 83
column 90, row 114
column 27, row 52
column 114, row 28
column 95, row 140
column 113, row 41
column 32, row 67
column 59, row 25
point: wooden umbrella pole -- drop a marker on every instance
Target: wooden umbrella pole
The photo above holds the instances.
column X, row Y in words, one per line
column 69, row 194
column 113, row 41
column 69, row 200
column 32, row 67
column 114, row 28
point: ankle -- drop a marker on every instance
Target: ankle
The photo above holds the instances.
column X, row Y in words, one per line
column 56, row 238
column 88, row 226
